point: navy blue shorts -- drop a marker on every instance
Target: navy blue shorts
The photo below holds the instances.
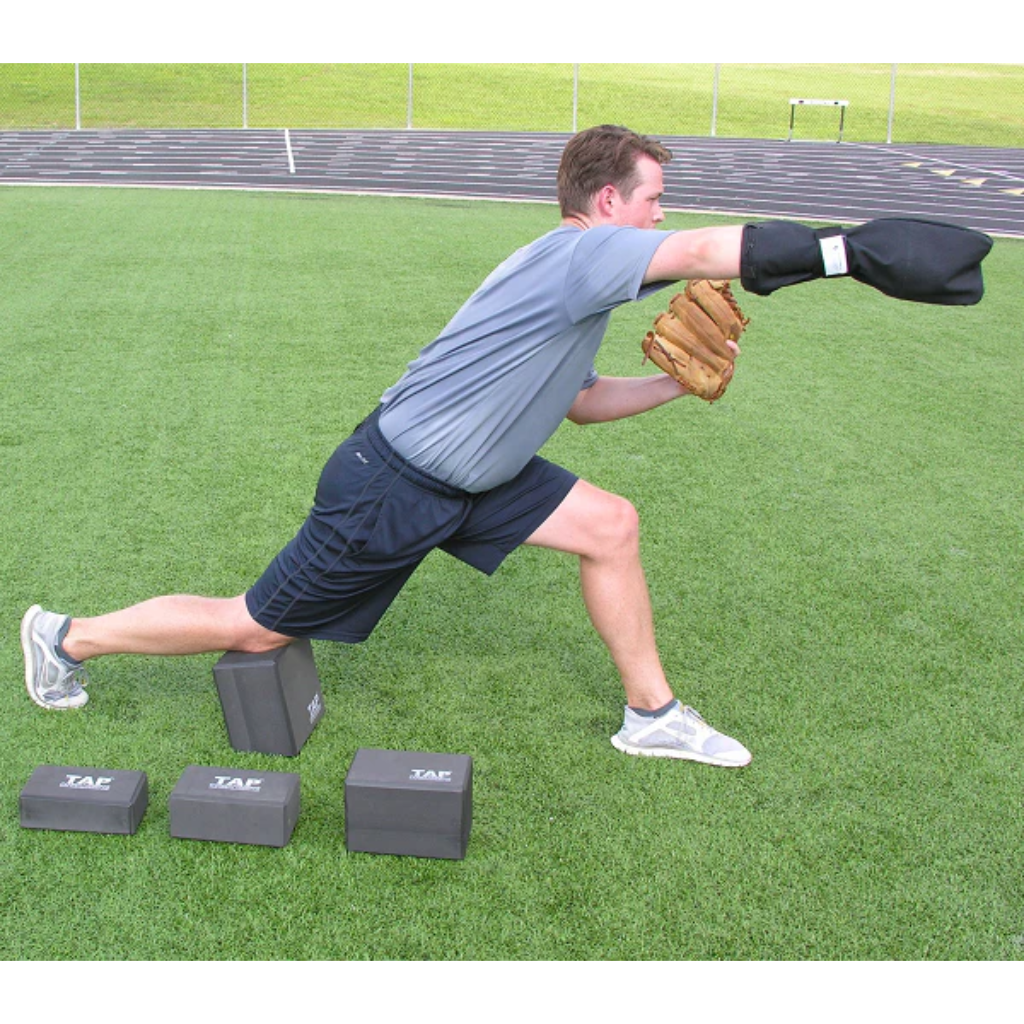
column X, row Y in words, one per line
column 375, row 518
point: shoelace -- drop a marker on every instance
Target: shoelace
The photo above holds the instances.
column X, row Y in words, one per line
column 690, row 723
column 682, row 722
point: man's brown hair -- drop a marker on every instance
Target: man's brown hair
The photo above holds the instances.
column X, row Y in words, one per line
column 605, row 155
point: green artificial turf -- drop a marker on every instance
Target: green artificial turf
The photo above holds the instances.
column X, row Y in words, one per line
column 833, row 550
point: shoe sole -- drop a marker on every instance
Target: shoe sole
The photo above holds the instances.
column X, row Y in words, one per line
column 26, row 646
column 677, row 755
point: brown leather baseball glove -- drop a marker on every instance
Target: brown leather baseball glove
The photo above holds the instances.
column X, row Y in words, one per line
column 689, row 341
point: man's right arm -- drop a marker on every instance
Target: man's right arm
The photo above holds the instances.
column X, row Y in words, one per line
column 704, row 252
column 904, row 257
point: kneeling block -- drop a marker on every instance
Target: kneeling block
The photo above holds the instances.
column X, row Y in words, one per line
column 271, row 702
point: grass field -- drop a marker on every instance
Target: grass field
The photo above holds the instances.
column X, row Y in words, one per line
column 834, row 552
column 975, row 104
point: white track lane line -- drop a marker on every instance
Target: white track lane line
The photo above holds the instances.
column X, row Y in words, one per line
column 288, row 147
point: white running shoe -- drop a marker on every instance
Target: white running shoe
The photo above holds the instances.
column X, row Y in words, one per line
column 679, row 732
column 52, row 683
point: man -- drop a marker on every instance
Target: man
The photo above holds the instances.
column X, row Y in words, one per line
column 449, row 458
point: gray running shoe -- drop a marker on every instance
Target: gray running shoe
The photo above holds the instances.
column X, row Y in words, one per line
column 679, row 732
column 51, row 681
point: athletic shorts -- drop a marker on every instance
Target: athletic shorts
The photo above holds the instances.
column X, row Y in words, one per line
column 374, row 519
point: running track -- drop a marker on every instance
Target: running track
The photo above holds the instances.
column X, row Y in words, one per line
column 840, row 182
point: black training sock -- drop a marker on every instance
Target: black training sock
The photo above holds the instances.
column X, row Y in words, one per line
column 645, row 713
column 58, row 645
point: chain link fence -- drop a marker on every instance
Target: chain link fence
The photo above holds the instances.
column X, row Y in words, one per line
column 973, row 104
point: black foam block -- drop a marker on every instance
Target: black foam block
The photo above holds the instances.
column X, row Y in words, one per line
column 84, row 799
column 271, row 702
column 408, row 803
column 232, row 805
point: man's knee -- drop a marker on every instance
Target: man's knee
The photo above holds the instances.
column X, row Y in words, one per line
column 621, row 522
column 611, row 527
column 253, row 638
column 591, row 523
column 263, row 642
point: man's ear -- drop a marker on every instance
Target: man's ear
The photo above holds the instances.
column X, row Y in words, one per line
column 605, row 199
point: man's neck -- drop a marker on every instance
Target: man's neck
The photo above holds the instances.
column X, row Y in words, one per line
column 579, row 220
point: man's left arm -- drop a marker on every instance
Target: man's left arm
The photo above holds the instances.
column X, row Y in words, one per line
column 615, row 398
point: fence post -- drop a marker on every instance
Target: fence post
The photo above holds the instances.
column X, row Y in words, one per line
column 714, row 102
column 408, row 101
column 78, row 101
column 575, row 96
column 892, row 103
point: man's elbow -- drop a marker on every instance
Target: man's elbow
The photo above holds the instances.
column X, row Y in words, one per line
column 578, row 412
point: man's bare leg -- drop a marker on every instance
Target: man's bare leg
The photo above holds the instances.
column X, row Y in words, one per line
column 603, row 530
column 55, row 646
column 177, row 624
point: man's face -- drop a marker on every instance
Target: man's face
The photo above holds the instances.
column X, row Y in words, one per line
column 643, row 208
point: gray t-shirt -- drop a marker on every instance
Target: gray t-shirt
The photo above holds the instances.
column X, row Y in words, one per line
column 482, row 398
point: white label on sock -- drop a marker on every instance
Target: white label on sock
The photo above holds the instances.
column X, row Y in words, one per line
column 833, row 255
